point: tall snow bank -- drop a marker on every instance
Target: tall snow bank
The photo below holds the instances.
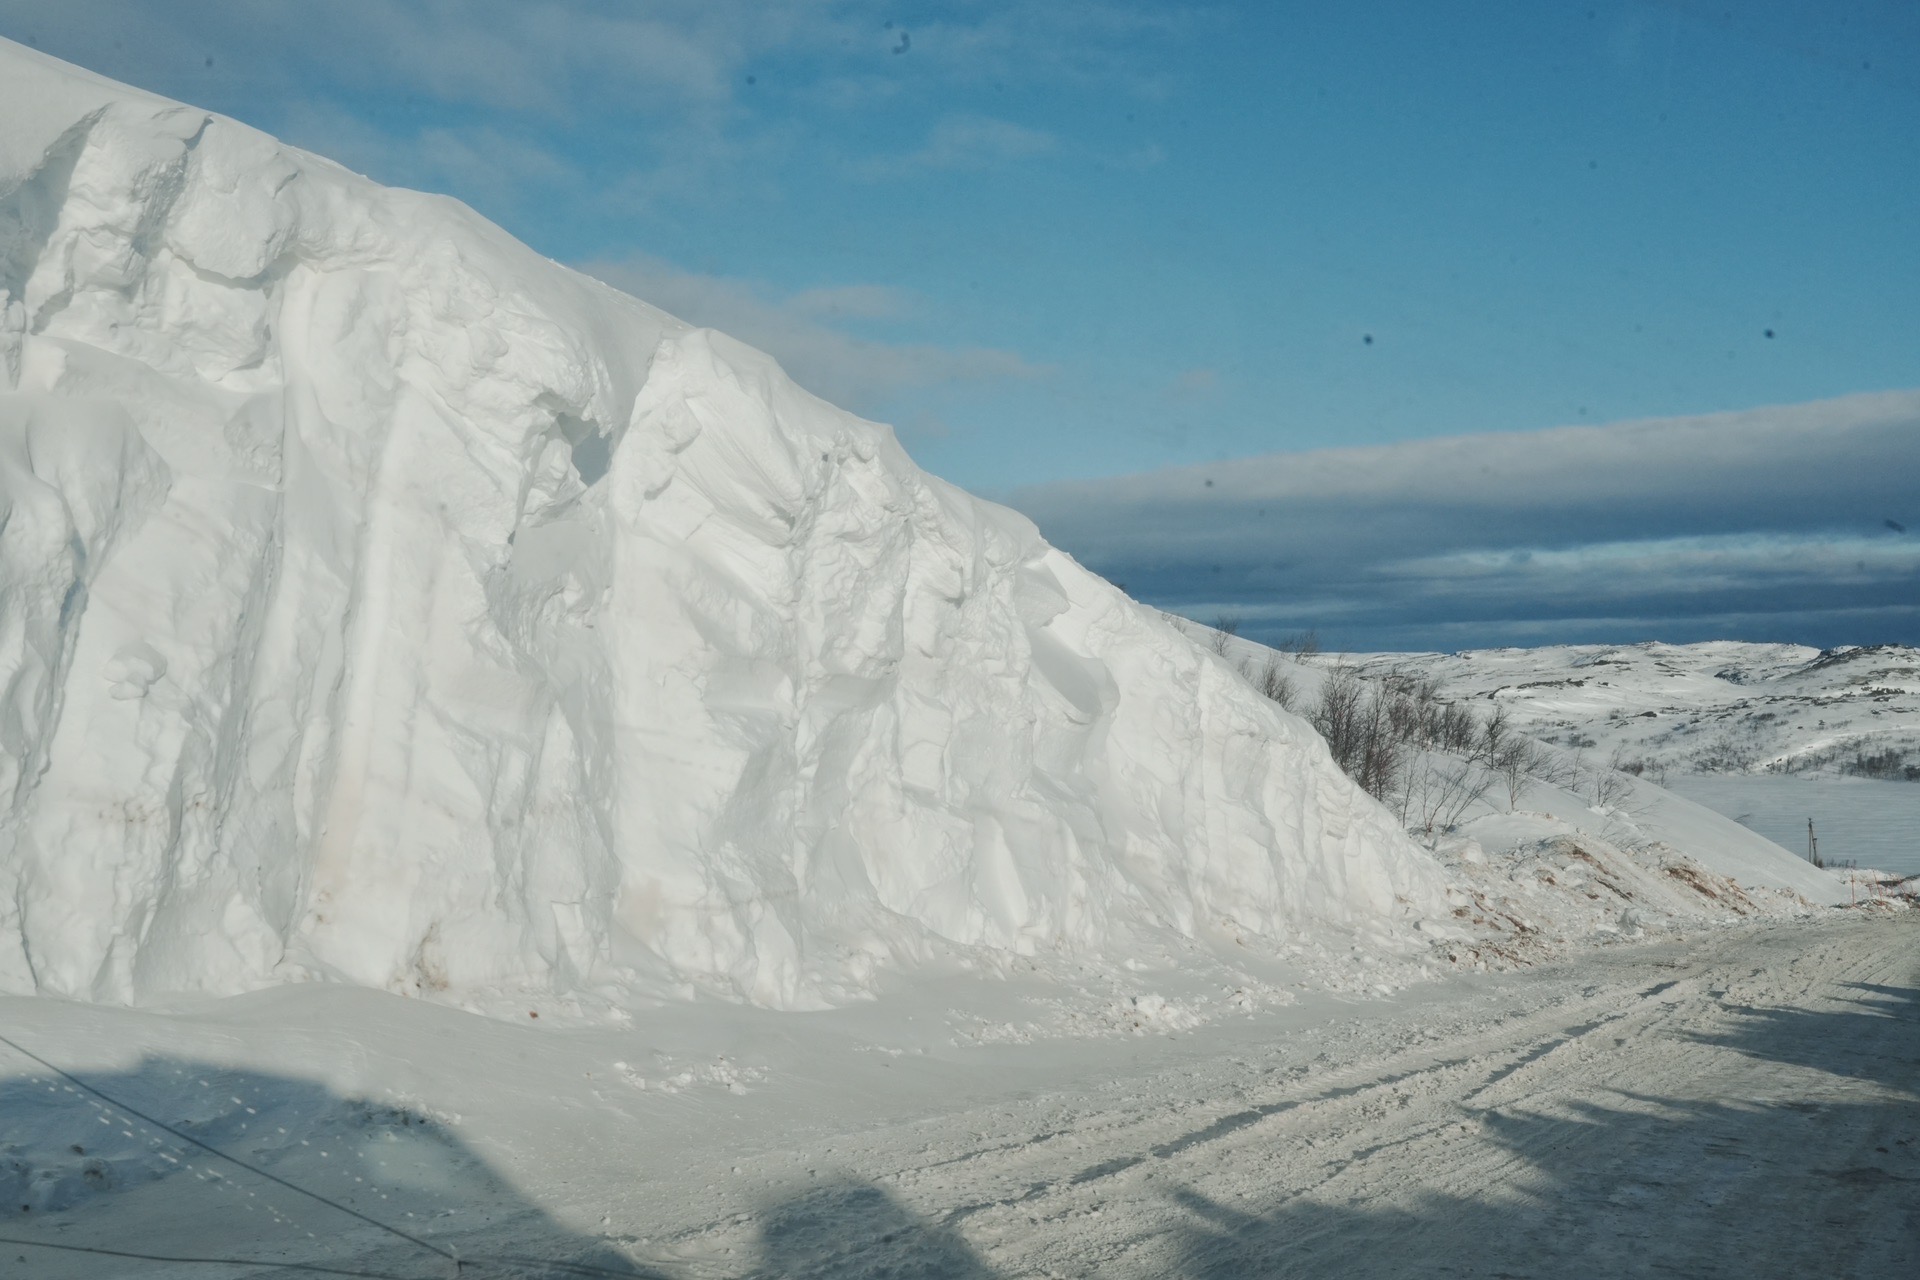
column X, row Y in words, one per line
column 381, row 601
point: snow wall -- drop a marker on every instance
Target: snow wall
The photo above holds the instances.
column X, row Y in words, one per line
column 380, row 601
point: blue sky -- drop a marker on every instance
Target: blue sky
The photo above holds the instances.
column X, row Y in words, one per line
column 1088, row 238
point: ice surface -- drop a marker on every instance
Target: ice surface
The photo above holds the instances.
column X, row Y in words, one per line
column 1865, row 821
column 384, row 602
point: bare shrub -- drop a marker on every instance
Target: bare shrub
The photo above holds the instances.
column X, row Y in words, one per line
column 1276, row 683
column 1411, row 705
column 1375, row 728
column 1559, row 768
column 1727, row 753
column 1356, row 719
column 1431, row 759
column 1835, row 755
column 1494, row 735
column 1516, row 761
column 1888, row 765
column 1454, row 729
column 1301, row 644
column 1270, row 678
column 1437, row 792
column 1609, row 785
column 1337, row 715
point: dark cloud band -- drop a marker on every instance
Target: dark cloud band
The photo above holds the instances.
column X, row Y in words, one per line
column 1773, row 523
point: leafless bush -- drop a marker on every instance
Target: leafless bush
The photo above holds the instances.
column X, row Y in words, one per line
column 1438, row 790
column 1495, row 733
column 1834, row 755
column 1422, row 715
column 1609, row 785
column 1410, row 705
column 1300, row 644
column 1889, row 765
column 1377, row 729
column 1225, row 628
column 1516, row 761
column 1559, row 768
column 1271, row 678
column 1454, row 729
column 1356, row 719
column 1276, row 683
column 1727, row 753
column 1336, row 715
column 1431, row 759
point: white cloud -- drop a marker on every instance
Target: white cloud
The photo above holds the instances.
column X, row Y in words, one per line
column 1078, row 43
column 515, row 55
column 577, row 117
column 486, row 165
column 566, row 56
column 800, row 330
column 1776, row 512
column 407, row 90
column 964, row 143
column 975, row 142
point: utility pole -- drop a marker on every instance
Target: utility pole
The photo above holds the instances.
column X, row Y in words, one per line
column 1813, row 844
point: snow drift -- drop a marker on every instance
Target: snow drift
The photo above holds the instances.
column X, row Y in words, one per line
column 381, row 601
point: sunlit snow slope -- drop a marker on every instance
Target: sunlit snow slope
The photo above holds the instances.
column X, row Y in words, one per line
column 379, row 600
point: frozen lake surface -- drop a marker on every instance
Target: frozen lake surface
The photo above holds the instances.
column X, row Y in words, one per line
column 1873, row 823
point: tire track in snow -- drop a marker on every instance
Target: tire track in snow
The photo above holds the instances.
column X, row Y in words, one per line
column 1589, row 1100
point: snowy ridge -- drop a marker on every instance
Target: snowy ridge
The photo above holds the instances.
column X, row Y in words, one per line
column 1718, row 706
column 387, row 603
column 1771, row 734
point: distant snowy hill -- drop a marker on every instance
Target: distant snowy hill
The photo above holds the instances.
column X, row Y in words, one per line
column 1509, row 817
column 1718, row 707
column 381, row 601
column 1771, row 734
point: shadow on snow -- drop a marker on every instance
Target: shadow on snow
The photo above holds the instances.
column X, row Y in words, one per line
column 1771, row 1184
column 116, row 1174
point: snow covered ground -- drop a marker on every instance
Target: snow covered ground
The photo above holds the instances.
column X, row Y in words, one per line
column 1736, row 1102
column 1719, row 706
column 1757, row 732
column 400, row 628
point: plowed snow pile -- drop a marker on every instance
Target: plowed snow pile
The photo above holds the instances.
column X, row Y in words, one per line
column 381, row 601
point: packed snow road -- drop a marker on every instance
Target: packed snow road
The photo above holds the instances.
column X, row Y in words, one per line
column 1748, row 1107
column 1744, row 1102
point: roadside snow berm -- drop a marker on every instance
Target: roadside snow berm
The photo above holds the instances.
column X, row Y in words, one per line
column 387, row 603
